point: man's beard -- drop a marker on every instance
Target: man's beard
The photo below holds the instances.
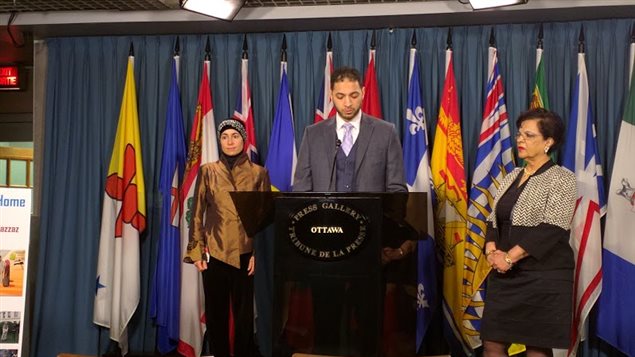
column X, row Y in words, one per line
column 341, row 114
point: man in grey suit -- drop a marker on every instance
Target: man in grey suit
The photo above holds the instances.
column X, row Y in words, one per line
column 351, row 152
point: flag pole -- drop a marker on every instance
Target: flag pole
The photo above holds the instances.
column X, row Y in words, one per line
column 372, row 41
column 581, row 40
column 245, row 48
column 283, row 50
column 208, row 60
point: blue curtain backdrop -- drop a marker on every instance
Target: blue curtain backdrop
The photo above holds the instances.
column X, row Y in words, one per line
column 84, row 89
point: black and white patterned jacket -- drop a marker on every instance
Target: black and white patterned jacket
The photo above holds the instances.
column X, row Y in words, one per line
column 541, row 217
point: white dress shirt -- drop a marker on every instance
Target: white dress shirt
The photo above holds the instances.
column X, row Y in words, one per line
column 339, row 124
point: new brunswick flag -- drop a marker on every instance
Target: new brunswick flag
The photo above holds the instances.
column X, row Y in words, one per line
column 123, row 219
column 448, row 177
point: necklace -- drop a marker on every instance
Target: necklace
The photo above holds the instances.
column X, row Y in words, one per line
column 527, row 173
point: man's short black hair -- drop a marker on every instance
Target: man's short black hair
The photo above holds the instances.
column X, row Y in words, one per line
column 343, row 73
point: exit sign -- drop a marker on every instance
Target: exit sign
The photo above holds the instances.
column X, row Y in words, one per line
column 9, row 77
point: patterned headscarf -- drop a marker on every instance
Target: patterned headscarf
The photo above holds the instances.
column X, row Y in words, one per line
column 232, row 124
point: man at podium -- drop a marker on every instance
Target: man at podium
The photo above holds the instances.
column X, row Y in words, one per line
column 350, row 152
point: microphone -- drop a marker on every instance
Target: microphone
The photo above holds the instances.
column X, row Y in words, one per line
column 332, row 187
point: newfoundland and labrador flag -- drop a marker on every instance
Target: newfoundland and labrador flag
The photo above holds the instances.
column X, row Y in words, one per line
column 581, row 157
column 117, row 287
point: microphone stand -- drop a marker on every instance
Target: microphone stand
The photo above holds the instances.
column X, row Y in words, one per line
column 338, row 143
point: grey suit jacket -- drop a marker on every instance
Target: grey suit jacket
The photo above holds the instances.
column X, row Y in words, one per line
column 378, row 161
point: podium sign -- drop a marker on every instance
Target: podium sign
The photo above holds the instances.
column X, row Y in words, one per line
column 328, row 287
column 327, row 275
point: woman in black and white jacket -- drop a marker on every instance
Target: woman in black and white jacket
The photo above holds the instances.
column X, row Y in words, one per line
column 529, row 292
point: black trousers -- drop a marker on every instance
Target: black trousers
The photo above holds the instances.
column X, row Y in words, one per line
column 222, row 283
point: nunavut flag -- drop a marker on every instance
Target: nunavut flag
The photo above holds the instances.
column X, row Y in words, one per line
column 123, row 219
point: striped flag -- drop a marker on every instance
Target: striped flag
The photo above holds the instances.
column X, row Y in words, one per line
column 616, row 313
column 581, row 157
column 166, row 290
column 203, row 148
column 448, row 176
column 117, row 288
column 282, row 157
column 371, row 103
column 419, row 179
column 325, row 108
column 493, row 161
column 244, row 111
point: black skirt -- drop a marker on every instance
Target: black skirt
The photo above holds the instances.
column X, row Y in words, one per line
column 529, row 307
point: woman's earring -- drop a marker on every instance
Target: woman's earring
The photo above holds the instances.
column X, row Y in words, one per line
column 546, row 149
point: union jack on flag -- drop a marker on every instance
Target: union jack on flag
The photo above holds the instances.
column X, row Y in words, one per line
column 244, row 111
column 325, row 108
column 493, row 161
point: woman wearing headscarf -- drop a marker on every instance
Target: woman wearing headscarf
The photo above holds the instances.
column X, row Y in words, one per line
column 219, row 246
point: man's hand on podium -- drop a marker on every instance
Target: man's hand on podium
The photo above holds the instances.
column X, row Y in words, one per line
column 389, row 254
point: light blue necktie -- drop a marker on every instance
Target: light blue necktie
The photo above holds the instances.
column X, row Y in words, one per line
column 347, row 142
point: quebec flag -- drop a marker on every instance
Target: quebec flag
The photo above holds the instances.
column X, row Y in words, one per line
column 418, row 179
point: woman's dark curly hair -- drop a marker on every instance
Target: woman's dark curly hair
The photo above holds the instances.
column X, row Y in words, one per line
column 549, row 123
